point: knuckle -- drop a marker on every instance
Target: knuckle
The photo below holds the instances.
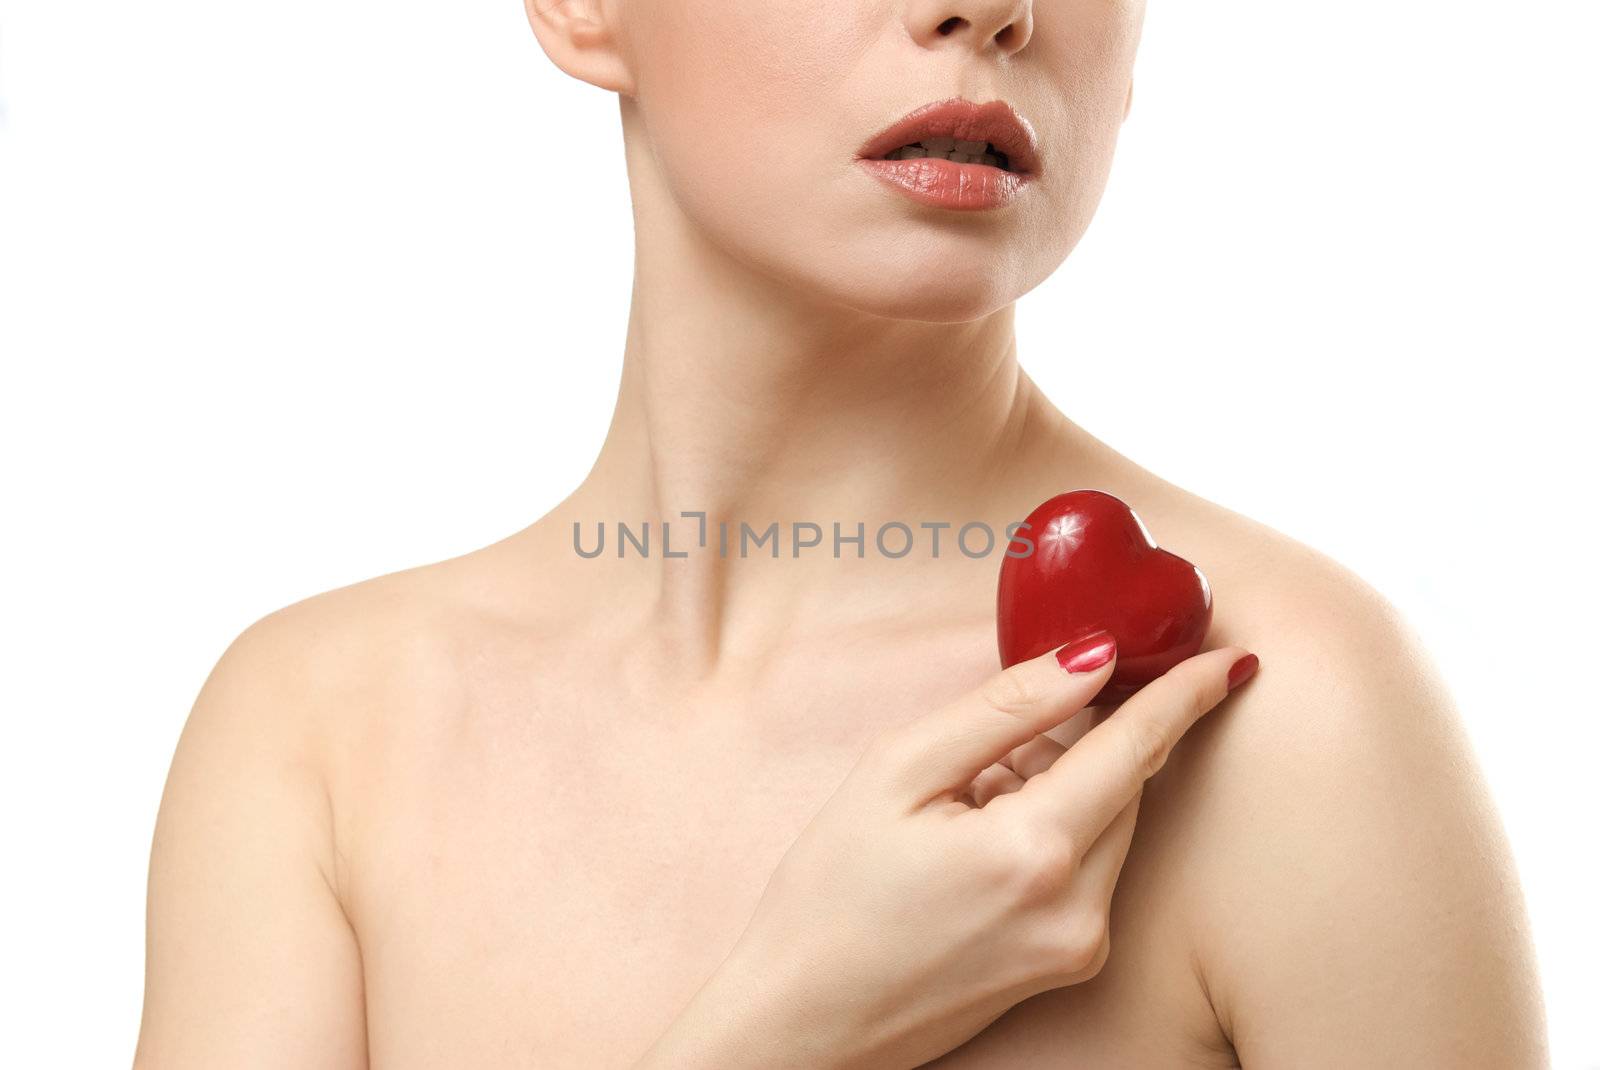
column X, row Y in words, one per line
column 1201, row 688
column 1098, row 963
column 1147, row 747
column 1205, row 691
column 1042, row 866
column 1043, row 879
column 1078, row 946
column 1009, row 691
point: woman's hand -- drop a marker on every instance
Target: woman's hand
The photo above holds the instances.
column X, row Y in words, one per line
column 965, row 863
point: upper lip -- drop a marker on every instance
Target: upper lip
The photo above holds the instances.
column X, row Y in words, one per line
column 994, row 122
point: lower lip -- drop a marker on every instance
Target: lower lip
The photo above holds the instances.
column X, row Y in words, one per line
column 941, row 183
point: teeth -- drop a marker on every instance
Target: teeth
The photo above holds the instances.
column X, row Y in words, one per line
column 980, row 152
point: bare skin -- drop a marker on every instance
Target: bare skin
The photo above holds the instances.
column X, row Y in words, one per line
column 513, row 808
column 481, row 812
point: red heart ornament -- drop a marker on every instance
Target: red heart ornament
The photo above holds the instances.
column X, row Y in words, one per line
column 1093, row 565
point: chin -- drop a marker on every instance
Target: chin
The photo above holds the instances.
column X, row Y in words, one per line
column 931, row 290
column 941, row 303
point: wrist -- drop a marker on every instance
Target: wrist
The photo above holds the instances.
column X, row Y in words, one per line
column 744, row 1018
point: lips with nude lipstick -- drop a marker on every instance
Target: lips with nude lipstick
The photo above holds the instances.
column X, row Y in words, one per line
column 956, row 154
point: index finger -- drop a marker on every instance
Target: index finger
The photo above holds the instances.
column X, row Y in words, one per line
column 1088, row 786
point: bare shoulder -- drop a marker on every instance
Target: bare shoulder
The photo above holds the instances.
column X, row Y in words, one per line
column 312, row 667
column 330, row 682
column 1350, row 894
column 247, row 926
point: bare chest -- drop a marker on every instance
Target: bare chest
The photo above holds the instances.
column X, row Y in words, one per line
column 550, row 890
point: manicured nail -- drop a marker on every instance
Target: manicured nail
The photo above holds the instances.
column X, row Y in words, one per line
column 1242, row 670
column 1088, row 653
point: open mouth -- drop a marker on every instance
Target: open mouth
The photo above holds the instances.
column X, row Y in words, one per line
column 979, row 152
column 955, row 154
column 963, row 132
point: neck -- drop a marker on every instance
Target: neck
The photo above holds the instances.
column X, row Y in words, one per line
column 761, row 408
column 754, row 403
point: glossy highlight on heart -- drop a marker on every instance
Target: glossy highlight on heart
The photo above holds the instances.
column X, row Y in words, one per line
column 1093, row 564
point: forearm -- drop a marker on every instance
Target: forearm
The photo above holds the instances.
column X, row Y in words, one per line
column 743, row 1017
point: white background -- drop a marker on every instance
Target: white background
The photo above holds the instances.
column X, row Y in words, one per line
column 296, row 294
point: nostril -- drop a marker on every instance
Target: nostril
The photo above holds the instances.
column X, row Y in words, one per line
column 948, row 26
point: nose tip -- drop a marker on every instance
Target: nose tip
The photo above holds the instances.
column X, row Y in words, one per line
column 1007, row 24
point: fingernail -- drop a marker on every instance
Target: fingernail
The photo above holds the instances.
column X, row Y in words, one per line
column 1088, row 653
column 1242, row 670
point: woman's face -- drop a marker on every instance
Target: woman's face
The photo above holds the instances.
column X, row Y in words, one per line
column 754, row 111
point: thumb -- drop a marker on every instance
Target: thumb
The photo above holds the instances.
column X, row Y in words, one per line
column 942, row 751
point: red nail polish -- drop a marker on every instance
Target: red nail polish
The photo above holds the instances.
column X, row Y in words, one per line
column 1242, row 670
column 1088, row 653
